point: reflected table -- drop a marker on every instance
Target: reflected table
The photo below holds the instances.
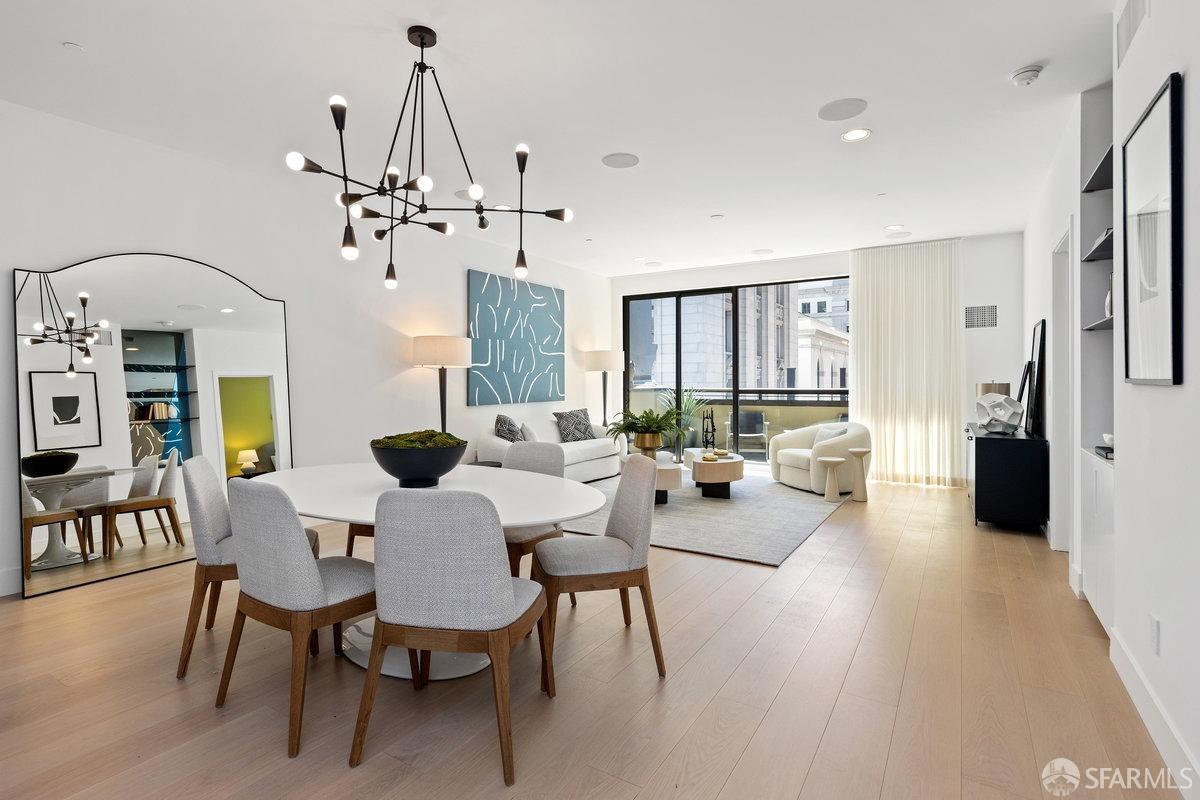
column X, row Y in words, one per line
column 348, row 493
column 51, row 489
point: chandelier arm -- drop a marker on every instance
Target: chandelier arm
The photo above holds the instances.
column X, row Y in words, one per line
column 438, row 85
column 391, row 234
column 54, row 303
column 345, row 172
column 521, row 210
column 422, row 97
column 399, row 121
column 412, row 136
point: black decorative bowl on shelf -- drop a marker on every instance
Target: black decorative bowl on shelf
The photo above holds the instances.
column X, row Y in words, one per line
column 420, row 458
column 52, row 462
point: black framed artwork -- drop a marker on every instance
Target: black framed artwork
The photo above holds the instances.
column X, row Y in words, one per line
column 65, row 410
column 1152, row 199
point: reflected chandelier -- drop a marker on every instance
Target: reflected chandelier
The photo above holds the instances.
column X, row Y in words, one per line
column 62, row 327
column 390, row 187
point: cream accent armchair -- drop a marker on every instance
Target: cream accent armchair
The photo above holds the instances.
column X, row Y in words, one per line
column 793, row 455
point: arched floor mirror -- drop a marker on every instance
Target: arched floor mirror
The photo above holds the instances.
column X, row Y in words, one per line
column 125, row 365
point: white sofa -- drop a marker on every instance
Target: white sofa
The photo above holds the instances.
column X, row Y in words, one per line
column 588, row 460
column 793, row 455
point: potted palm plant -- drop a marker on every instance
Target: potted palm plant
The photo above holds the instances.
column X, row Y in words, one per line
column 690, row 406
column 647, row 428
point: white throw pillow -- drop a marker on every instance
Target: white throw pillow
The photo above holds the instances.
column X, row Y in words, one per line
column 825, row 434
column 528, row 433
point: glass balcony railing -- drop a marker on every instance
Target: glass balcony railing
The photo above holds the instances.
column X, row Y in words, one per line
column 763, row 413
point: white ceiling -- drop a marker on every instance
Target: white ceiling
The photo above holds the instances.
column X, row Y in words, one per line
column 719, row 99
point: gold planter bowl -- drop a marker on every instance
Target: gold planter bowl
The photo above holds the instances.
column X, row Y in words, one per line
column 648, row 443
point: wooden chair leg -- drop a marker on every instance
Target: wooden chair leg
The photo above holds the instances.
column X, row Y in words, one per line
column 235, row 638
column 370, row 684
column 546, row 631
column 314, row 643
column 547, row 656
column 79, row 536
column 214, row 597
column 514, row 561
column 199, row 585
column 426, row 656
column 62, row 531
column 108, row 532
column 573, row 602
column 137, row 516
column 337, row 638
column 162, row 526
column 173, row 518
column 88, row 532
column 652, row 622
column 302, row 634
column 414, row 666
column 350, row 548
column 498, row 653
column 625, row 606
column 27, row 547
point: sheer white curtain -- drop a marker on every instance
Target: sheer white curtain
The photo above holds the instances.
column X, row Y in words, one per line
column 905, row 373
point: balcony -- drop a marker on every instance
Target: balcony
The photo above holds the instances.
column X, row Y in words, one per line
column 779, row 409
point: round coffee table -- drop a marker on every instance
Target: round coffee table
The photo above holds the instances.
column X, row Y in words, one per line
column 714, row 477
column 860, row 473
column 831, row 482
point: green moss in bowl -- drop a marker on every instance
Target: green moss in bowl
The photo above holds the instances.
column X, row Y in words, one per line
column 419, row 440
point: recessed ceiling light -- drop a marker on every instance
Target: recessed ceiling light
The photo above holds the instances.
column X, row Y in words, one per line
column 846, row 108
column 856, row 134
column 653, row 263
column 504, row 208
column 881, row 194
column 893, row 227
column 588, row 239
column 131, row 349
column 74, row 47
column 191, row 307
column 899, row 235
column 620, row 160
column 762, row 251
column 716, row 217
column 228, row 310
column 167, row 323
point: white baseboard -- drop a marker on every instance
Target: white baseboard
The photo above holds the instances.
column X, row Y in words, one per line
column 1075, row 580
column 1158, row 721
column 10, row 581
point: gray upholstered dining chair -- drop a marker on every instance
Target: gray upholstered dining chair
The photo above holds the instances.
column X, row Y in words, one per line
column 215, row 560
column 442, row 584
column 616, row 560
column 284, row 586
column 545, row 458
column 87, row 501
column 33, row 517
column 141, row 488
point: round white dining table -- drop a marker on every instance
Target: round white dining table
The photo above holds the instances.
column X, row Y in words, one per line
column 349, row 492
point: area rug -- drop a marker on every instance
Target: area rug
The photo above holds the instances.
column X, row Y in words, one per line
column 762, row 521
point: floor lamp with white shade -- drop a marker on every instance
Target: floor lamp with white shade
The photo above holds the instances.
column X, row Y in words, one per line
column 442, row 352
column 604, row 362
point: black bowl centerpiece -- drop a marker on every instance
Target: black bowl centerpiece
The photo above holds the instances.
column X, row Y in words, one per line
column 51, row 462
column 419, row 458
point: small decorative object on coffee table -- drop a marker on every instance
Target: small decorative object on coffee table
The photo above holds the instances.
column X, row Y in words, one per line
column 831, row 482
column 860, row 473
column 418, row 459
column 713, row 473
column 708, row 430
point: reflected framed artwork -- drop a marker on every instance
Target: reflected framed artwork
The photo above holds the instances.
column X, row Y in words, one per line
column 65, row 410
column 1152, row 194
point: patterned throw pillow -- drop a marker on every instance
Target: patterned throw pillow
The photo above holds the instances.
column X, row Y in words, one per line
column 574, row 426
column 508, row 430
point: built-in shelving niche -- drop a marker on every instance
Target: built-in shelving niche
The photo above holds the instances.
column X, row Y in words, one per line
column 159, row 393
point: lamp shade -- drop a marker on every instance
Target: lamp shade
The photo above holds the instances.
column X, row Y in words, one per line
column 441, row 351
column 604, row 360
column 247, row 457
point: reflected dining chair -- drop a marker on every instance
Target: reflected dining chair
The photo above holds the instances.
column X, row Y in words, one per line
column 215, row 560
column 442, row 584
column 545, row 458
column 284, row 586
column 33, row 517
column 616, row 560
column 143, row 497
column 87, row 501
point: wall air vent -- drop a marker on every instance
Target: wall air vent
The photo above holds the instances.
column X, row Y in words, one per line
column 1131, row 18
column 980, row 316
column 103, row 337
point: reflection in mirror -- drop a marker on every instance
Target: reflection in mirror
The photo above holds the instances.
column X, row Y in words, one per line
column 128, row 365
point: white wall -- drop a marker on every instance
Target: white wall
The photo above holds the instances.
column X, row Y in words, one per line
column 1157, row 428
column 348, row 337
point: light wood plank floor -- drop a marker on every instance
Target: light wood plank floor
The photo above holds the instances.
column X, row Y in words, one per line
column 900, row 652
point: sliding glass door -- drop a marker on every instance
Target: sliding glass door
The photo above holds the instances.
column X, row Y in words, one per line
column 763, row 359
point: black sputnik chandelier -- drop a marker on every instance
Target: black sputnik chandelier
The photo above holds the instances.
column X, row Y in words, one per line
column 57, row 326
column 408, row 190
